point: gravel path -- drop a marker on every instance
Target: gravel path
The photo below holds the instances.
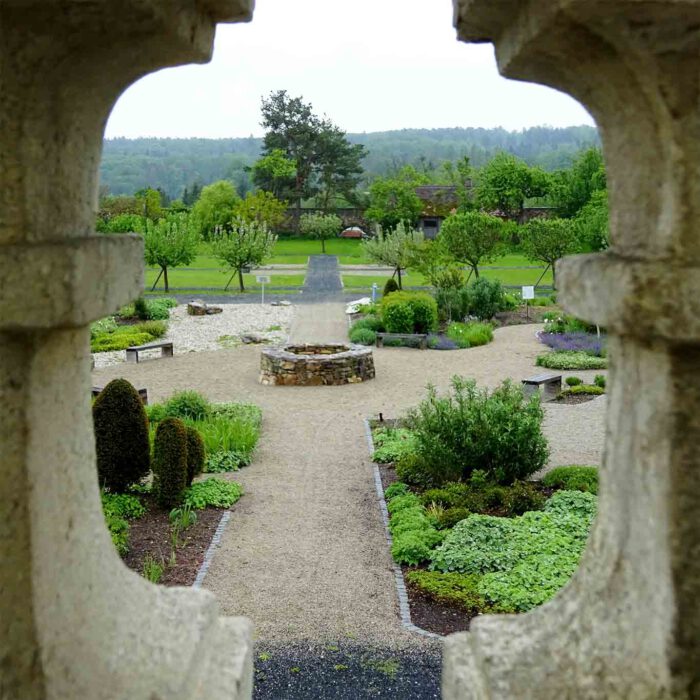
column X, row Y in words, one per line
column 304, row 554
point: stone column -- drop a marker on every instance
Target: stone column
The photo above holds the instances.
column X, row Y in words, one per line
column 628, row 625
column 74, row 621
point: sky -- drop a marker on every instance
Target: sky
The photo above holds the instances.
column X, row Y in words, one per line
column 369, row 65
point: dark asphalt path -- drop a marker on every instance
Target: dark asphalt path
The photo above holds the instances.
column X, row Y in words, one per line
column 322, row 280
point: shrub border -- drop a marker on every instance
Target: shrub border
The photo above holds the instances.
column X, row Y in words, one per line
column 402, row 594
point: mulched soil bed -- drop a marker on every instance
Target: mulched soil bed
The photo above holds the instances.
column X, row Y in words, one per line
column 150, row 534
column 519, row 316
column 575, row 398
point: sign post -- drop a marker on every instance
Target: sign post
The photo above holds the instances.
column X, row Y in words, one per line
column 528, row 293
column 374, row 292
column 263, row 280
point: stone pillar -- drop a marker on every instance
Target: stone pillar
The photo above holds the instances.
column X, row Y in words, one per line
column 74, row 621
column 628, row 625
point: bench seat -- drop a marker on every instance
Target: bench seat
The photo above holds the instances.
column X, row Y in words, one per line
column 550, row 382
column 166, row 346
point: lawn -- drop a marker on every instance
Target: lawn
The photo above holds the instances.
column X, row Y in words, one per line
column 189, row 278
column 294, row 251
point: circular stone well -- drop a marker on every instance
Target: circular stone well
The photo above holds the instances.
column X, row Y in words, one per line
column 316, row 365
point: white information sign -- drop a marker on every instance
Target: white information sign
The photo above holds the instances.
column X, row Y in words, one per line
column 262, row 279
column 528, row 292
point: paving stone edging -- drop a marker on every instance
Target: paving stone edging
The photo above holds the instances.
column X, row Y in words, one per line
column 404, row 607
column 213, row 546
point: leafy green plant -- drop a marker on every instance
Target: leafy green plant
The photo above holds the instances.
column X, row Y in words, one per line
column 122, row 505
column 374, row 323
column 187, row 404
column 215, row 493
column 363, row 336
column 413, row 534
column 571, row 360
column 468, row 335
column 229, row 461
column 121, row 436
column 409, row 312
column 151, row 569
column 391, row 443
column 486, row 298
column 573, row 478
column 397, row 316
column 394, row 490
column 590, row 389
column 599, row 380
column 196, row 454
column 170, row 462
column 390, row 286
column 456, row 589
column 102, row 327
column 155, row 329
column 573, row 381
column 119, row 532
column 499, row 432
column 118, row 340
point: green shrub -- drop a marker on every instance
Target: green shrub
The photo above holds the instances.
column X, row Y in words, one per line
column 468, row 335
column 196, row 454
column 241, row 412
column 224, row 461
column 155, row 412
column 599, row 380
column 187, row 404
column 156, row 329
column 411, row 469
column 394, row 490
column 412, row 532
column 573, row 478
column 572, row 503
column 141, row 309
column 363, row 336
column 522, row 497
column 498, row 432
column 121, row 436
column 102, row 327
column 590, row 389
column 374, row 323
column 452, row 588
column 214, row 493
column 486, row 298
column 415, row 546
column 409, row 312
column 453, row 304
column 391, row 444
column 510, row 302
column 425, row 314
column 119, row 532
column 390, row 286
column 571, row 360
column 397, row 316
column 122, row 505
column 170, row 462
column 451, row 516
column 223, row 434
column 573, row 381
column 399, row 503
column 119, row 341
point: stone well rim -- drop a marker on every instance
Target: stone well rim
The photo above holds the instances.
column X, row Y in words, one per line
column 350, row 350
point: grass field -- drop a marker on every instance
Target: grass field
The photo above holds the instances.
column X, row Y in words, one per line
column 189, row 278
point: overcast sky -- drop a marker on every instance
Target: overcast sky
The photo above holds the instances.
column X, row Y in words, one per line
column 369, row 65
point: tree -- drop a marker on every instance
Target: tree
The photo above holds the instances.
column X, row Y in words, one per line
column 393, row 248
column 275, row 173
column 246, row 244
column 572, row 189
column 472, row 237
column 593, row 223
column 261, row 207
column 320, row 226
column 149, row 203
column 393, row 200
column 547, row 240
column 170, row 242
column 505, row 182
column 214, row 207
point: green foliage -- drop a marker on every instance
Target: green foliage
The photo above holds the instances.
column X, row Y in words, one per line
column 455, row 589
column 472, row 237
column 453, row 304
column 590, row 389
column 409, row 312
column 243, row 412
column 262, row 208
column 412, row 532
column 224, row 461
column 102, row 327
column 548, row 240
column 579, row 504
column 170, row 242
column 119, row 532
column 405, row 502
column 391, row 443
column 125, row 223
column 374, row 323
column 390, row 286
column 320, row 226
column 571, row 360
column 485, row 297
column 557, row 322
column 449, row 517
column 151, row 569
column 470, row 335
column 573, row 381
column 170, row 462
column 394, row 200
column 196, row 454
column 363, row 336
column 573, row 478
column 123, row 505
column 599, row 380
column 246, row 244
column 498, row 432
column 214, row 208
column 212, row 493
column 394, row 490
column 275, row 173
column 593, row 223
column 393, row 247
column 121, row 436
column 187, row 404
column 573, row 188
column 122, row 338
column 157, row 309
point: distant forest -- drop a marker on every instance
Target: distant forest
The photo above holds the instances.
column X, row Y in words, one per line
column 129, row 165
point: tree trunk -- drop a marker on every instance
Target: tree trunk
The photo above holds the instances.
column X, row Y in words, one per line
column 165, row 279
column 475, row 269
column 240, row 280
column 554, row 276
column 323, row 246
column 398, row 270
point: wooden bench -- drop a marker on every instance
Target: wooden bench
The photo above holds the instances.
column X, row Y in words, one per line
column 132, row 353
column 422, row 338
column 143, row 393
column 550, row 382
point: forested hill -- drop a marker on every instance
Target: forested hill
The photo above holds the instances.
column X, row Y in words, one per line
column 173, row 164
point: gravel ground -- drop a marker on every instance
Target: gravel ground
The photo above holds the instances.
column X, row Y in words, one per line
column 201, row 333
column 304, row 554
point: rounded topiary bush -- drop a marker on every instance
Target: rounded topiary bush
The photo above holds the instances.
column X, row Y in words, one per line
column 397, row 314
column 170, row 462
column 390, row 286
column 121, row 436
column 196, row 454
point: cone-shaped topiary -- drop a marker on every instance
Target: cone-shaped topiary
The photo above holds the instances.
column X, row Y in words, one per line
column 170, row 462
column 121, row 436
column 390, row 286
column 195, row 454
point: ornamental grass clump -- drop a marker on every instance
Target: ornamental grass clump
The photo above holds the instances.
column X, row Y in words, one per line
column 470, row 335
column 498, row 432
column 121, row 436
column 170, row 462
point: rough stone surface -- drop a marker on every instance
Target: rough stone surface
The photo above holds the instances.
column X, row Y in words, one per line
column 74, row 622
column 628, row 624
column 316, row 365
column 199, row 308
